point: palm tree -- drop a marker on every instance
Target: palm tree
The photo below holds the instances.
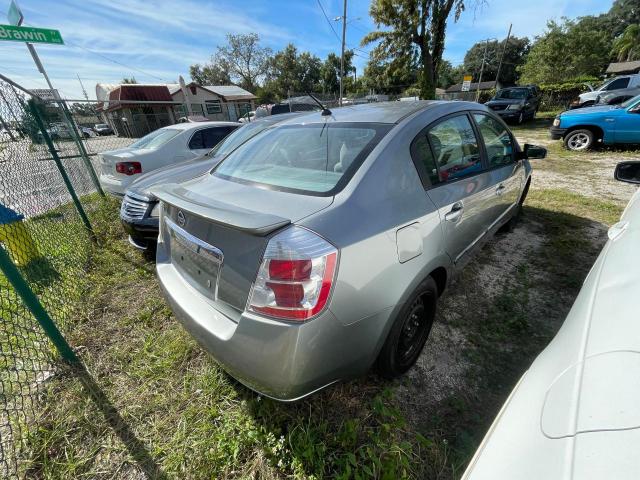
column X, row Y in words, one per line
column 627, row 47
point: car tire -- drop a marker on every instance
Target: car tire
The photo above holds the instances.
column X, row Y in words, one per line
column 579, row 140
column 409, row 332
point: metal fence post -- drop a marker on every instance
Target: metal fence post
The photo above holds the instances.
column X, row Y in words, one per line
column 35, row 307
column 65, row 177
column 83, row 151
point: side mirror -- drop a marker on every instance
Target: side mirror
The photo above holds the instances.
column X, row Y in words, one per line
column 532, row 151
column 628, row 172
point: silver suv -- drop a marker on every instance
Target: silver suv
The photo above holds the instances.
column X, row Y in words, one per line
column 320, row 246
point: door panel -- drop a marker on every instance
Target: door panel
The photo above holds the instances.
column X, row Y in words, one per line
column 627, row 127
column 506, row 174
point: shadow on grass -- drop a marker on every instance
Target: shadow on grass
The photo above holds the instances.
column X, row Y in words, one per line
column 534, row 124
column 137, row 450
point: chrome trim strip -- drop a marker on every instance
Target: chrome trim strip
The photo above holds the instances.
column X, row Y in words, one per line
column 194, row 244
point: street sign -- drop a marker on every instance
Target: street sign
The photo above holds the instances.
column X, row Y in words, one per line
column 30, row 34
column 14, row 15
column 466, row 83
column 45, row 93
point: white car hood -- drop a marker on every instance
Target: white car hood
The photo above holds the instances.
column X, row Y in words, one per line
column 576, row 412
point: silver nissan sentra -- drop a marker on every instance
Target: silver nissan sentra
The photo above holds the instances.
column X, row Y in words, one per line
column 320, row 246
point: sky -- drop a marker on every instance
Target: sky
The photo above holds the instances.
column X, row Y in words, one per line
column 155, row 41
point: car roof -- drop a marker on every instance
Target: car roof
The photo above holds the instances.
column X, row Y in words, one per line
column 194, row 125
column 377, row 112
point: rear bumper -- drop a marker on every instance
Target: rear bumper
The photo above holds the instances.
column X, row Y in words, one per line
column 113, row 185
column 508, row 114
column 282, row 360
column 557, row 133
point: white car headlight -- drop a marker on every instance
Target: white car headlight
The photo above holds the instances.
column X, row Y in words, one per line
column 556, row 122
column 155, row 211
column 515, row 106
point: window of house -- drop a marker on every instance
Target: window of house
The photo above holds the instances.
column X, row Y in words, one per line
column 196, row 108
column 497, row 141
column 213, row 106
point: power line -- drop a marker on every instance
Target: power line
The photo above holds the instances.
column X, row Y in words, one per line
column 328, row 21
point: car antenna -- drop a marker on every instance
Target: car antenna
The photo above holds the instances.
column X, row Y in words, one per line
column 325, row 110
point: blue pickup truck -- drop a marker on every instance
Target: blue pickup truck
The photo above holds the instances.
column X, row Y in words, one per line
column 607, row 124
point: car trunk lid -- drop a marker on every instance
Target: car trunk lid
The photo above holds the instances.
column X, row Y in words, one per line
column 216, row 232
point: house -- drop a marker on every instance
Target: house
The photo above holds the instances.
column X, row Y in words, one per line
column 454, row 92
column 133, row 110
column 215, row 102
column 623, row 68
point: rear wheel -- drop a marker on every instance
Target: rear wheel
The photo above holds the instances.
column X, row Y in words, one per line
column 409, row 332
column 579, row 140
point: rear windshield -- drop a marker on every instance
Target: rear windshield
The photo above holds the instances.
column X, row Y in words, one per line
column 155, row 139
column 316, row 159
column 513, row 94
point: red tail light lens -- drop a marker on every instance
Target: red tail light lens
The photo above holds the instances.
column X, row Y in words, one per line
column 128, row 168
column 296, row 276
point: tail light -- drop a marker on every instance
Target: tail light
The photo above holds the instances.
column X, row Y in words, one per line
column 295, row 277
column 128, row 168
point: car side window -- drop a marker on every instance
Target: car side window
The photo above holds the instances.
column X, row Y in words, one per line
column 455, row 148
column 618, row 84
column 207, row 138
column 196, row 141
column 423, row 157
column 497, row 140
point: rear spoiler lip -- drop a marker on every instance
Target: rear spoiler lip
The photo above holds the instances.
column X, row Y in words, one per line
column 226, row 214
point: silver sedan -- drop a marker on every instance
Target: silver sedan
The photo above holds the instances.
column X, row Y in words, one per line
column 320, row 247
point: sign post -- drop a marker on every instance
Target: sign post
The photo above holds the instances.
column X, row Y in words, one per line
column 466, row 83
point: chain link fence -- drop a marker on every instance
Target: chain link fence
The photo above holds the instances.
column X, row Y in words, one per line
column 46, row 184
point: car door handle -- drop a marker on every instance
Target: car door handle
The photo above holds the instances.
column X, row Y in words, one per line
column 500, row 189
column 455, row 213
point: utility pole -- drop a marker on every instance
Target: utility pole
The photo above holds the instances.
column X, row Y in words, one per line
column 484, row 58
column 344, row 32
column 504, row 49
column 84, row 92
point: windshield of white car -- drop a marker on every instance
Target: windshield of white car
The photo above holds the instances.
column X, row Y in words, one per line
column 512, row 94
column 630, row 102
column 313, row 159
column 155, row 139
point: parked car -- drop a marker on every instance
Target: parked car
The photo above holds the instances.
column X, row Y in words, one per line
column 247, row 117
column 140, row 210
column 574, row 414
column 617, row 97
column 515, row 104
column 165, row 146
column 583, row 128
column 87, row 132
column 616, row 85
column 320, row 247
column 102, row 129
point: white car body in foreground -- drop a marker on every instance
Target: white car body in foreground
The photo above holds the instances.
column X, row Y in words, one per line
column 164, row 146
column 575, row 414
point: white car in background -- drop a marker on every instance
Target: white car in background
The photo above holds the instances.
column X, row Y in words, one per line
column 575, row 414
column 165, row 146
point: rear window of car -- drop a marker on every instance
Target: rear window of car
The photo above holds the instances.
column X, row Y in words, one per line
column 155, row 139
column 317, row 159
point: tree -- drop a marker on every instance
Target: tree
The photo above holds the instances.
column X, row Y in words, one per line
column 568, row 50
column 242, row 61
column 85, row 109
column 621, row 14
column 627, row 47
column 417, row 31
column 450, row 75
column 215, row 73
column 127, row 81
column 514, row 56
column 293, row 72
column 390, row 77
column 330, row 71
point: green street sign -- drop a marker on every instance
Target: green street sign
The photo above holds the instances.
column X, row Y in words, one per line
column 30, row 34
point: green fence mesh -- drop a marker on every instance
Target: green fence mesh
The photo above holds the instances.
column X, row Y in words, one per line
column 46, row 239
